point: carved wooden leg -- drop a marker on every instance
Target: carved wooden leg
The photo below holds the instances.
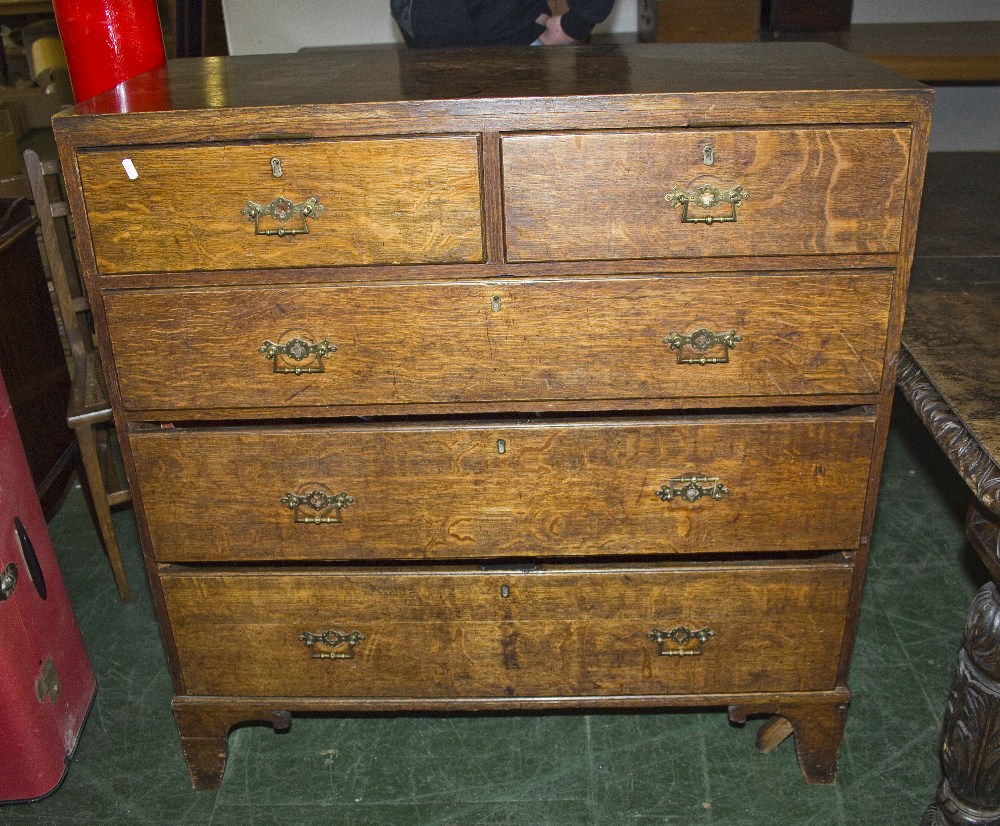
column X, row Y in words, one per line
column 969, row 795
column 818, row 725
column 204, row 727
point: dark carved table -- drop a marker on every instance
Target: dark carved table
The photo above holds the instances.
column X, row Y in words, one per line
column 949, row 371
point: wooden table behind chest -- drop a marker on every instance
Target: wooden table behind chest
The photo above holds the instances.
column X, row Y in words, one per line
column 503, row 380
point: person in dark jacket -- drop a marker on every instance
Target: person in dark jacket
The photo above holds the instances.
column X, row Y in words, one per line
column 444, row 23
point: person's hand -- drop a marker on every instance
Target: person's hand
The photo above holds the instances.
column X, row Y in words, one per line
column 554, row 34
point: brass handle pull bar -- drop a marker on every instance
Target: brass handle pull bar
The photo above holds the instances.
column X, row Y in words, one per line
column 315, row 505
column 691, row 488
column 681, row 641
column 331, row 644
column 282, row 210
column 297, row 355
column 705, row 198
column 695, row 348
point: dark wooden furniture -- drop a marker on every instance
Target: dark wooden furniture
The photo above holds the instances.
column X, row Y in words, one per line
column 806, row 15
column 698, row 21
column 31, row 354
column 962, row 52
column 87, row 410
column 494, row 380
column 948, row 373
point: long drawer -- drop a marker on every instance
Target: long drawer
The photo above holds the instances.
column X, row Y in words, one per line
column 248, row 206
column 718, row 485
column 651, row 337
column 505, row 634
column 696, row 193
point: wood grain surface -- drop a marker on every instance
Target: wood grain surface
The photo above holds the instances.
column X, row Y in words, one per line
column 948, row 369
column 954, row 299
column 602, row 195
column 966, row 51
column 496, row 241
column 387, row 75
column 384, row 202
column 560, row 489
column 454, row 633
column 569, row 338
column 950, row 332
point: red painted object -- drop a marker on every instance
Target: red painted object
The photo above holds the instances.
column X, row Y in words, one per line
column 46, row 682
column 108, row 41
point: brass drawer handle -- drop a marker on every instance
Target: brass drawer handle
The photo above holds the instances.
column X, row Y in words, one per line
column 297, row 355
column 332, row 644
column 706, row 197
column 681, row 641
column 691, row 488
column 281, row 210
column 316, row 506
column 693, row 349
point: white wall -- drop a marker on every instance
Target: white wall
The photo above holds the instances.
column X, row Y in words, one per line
column 923, row 11
column 965, row 118
column 268, row 26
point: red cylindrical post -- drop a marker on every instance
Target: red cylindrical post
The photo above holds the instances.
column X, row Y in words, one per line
column 108, row 41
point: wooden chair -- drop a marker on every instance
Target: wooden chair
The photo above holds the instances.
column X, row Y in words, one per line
column 89, row 413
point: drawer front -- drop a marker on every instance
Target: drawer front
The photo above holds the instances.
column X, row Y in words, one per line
column 377, row 202
column 499, row 342
column 509, row 634
column 606, row 195
column 720, row 485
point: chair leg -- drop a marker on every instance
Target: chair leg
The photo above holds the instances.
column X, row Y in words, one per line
column 87, row 441
column 105, row 436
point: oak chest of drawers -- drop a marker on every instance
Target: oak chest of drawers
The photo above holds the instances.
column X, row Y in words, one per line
column 503, row 380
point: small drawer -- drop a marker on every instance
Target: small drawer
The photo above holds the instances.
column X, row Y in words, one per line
column 500, row 342
column 600, row 632
column 276, row 205
column 699, row 193
column 746, row 484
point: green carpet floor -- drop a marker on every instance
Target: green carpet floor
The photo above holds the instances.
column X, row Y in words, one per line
column 686, row 768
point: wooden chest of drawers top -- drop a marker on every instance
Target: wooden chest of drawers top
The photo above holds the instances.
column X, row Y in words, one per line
column 327, row 91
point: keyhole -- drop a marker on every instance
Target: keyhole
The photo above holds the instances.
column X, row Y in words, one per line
column 495, row 303
column 501, row 446
column 276, row 167
column 708, row 155
column 504, row 591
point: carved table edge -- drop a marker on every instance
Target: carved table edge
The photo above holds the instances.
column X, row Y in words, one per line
column 982, row 529
column 976, row 467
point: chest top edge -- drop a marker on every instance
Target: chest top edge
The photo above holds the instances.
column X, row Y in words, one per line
column 324, row 91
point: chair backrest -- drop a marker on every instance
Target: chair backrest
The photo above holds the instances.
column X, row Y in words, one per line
column 53, row 214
